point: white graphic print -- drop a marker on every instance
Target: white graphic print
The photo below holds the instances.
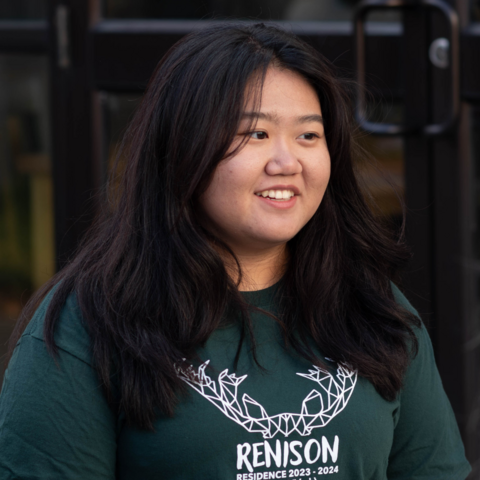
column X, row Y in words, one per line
column 318, row 408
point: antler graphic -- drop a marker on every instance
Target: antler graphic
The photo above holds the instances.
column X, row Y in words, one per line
column 318, row 408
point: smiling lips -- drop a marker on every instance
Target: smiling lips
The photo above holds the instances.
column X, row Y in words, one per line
column 281, row 195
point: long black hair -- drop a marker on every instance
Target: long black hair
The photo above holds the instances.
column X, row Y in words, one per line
column 150, row 283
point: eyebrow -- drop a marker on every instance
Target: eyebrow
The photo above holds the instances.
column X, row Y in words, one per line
column 272, row 117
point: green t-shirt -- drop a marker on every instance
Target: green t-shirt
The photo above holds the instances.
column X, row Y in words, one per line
column 291, row 420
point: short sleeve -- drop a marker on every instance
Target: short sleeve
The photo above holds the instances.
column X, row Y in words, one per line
column 54, row 420
column 427, row 443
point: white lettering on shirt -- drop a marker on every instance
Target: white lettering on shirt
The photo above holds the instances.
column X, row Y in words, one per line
column 307, row 452
column 293, row 453
column 242, row 456
column 277, row 456
column 326, row 449
column 257, row 454
column 299, row 458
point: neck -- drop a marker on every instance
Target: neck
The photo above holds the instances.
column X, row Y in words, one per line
column 260, row 269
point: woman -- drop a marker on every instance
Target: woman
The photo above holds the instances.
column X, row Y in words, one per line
column 233, row 315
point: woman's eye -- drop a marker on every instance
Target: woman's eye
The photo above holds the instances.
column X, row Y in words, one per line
column 308, row 136
column 258, row 135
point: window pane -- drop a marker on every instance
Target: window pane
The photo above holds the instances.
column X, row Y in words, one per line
column 23, row 9
column 27, row 256
column 381, row 175
column 118, row 111
column 475, row 10
column 472, row 347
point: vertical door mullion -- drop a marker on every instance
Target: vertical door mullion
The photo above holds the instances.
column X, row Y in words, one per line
column 418, row 190
column 448, row 234
column 71, row 117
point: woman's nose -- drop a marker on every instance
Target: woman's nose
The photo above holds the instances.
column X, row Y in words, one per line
column 283, row 160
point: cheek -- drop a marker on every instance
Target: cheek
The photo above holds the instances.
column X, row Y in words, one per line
column 317, row 183
column 326, row 177
column 318, row 178
column 218, row 202
column 232, row 181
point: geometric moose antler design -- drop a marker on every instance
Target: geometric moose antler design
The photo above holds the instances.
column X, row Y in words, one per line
column 318, row 408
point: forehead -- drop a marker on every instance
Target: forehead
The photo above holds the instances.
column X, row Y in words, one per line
column 281, row 92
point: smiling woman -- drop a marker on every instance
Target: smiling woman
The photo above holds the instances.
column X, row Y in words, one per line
column 235, row 304
column 262, row 196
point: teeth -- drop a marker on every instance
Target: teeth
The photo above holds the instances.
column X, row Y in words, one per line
column 277, row 194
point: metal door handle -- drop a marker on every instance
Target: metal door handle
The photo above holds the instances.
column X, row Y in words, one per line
column 394, row 129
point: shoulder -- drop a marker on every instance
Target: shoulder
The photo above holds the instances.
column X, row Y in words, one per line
column 402, row 300
column 71, row 335
column 419, row 329
column 427, row 442
column 55, row 421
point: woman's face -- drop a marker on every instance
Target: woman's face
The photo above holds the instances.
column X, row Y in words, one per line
column 261, row 197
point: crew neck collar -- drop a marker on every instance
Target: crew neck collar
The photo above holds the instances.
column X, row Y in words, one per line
column 261, row 297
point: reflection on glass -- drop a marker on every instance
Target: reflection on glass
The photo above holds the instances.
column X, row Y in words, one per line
column 26, row 198
column 23, row 9
column 381, row 174
column 118, row 111
column 383, row 110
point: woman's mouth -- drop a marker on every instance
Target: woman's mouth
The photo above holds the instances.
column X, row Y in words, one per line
column 280, row 195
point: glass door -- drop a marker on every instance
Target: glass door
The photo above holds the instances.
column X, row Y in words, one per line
column 440, row 93
column 27, row 246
